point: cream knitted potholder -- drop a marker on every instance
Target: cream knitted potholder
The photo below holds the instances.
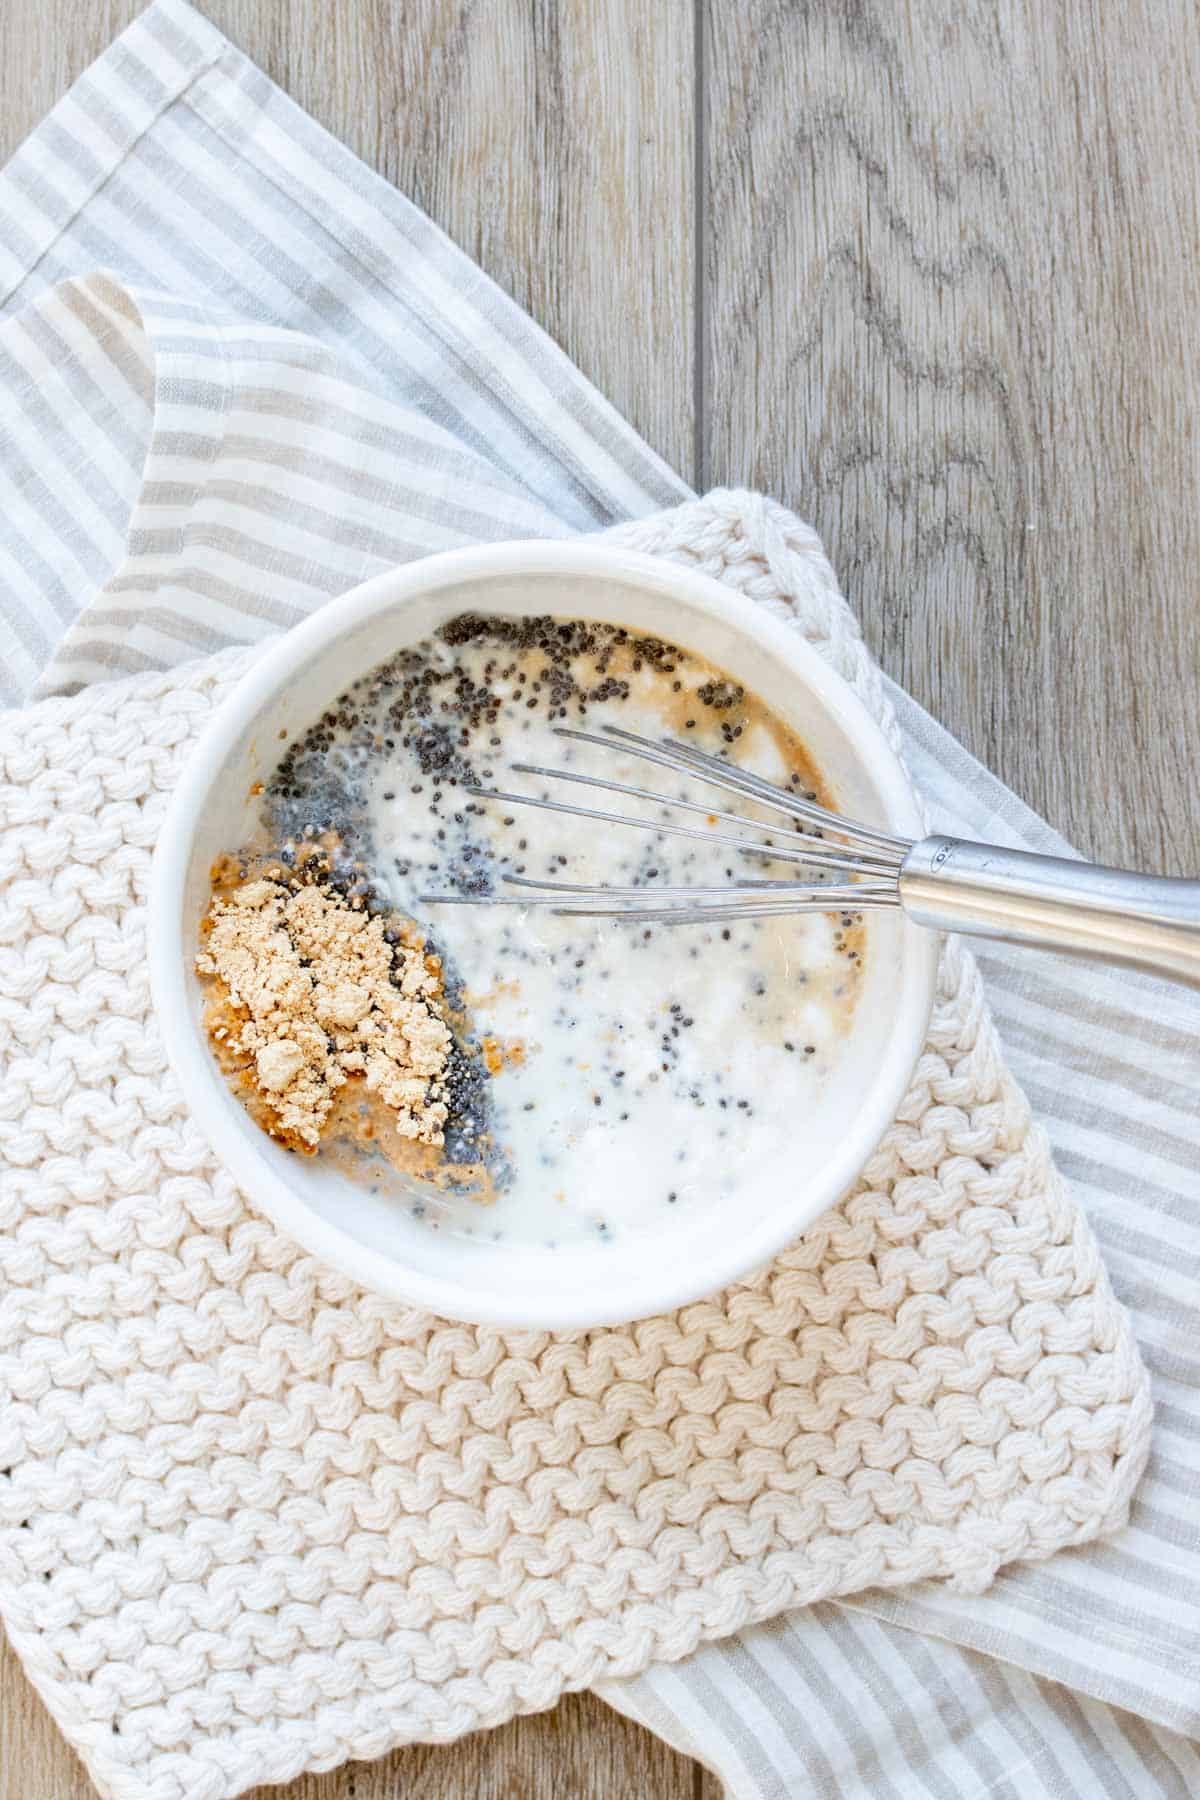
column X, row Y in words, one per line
column 254, row 1520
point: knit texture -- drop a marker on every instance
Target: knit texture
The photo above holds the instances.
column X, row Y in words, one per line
column 254, row 1520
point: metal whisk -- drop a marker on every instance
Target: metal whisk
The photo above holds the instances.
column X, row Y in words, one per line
column 944, row 883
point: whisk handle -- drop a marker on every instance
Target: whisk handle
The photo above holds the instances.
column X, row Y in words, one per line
column 1148, row 922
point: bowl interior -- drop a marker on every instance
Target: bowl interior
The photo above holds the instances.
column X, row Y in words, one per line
column 371, row 1237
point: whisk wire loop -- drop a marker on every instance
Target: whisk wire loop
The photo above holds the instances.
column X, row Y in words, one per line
column 868, row 860
column 669, row 753
column 942, row 883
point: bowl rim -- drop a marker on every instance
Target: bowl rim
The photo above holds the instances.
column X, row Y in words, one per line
column 663, row 1285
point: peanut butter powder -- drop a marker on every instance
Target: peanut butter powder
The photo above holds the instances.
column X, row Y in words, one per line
column 312, row 991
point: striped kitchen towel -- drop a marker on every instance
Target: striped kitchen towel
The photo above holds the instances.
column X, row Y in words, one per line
column 312, row 384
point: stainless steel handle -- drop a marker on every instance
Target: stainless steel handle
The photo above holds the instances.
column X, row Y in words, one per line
column 1146, row 921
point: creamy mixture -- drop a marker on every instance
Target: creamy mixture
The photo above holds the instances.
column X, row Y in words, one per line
column 621, row 1072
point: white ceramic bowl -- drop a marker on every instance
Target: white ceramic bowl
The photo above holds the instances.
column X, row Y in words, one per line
column 363, row 1234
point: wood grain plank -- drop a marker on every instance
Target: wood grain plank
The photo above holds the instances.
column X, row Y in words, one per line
column 35, row 1762
column 553, row 141
column 951, row 318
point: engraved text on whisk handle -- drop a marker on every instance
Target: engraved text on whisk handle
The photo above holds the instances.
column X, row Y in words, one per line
column 1149, row 922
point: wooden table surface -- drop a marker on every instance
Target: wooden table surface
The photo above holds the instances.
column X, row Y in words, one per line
column 926, row 272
